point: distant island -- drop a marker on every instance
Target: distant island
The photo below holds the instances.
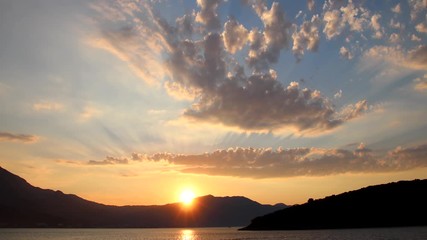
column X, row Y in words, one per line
column 23, row 205
column 402, row 203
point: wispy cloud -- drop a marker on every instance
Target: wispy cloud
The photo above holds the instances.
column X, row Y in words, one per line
column 47, row 106
column 125, row 32
column 156, row 111
column 88, row 113
column 421, row 83
column 22, row 138
column 109, row 160
column 414, row 58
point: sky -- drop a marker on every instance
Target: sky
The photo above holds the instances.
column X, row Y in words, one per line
column 132, row 102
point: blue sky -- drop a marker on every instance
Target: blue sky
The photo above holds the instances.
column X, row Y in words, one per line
column 287, row 97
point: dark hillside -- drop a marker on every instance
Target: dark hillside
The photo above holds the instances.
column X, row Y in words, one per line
column 389, row 205
column 22, row 205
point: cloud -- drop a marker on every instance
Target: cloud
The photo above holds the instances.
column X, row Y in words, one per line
column 109, row 161
column 334, row 25
column 185, row 25
column 396, row 9
column 264, row 103
column 298, row 14
column 379, row 31
column 265, row 46
column 199, row 66
column 307, row 37
column 47, row 106
column 207, row 14
column 407, row 158
column 156, row 111
column 362, row 150
column 355, row 18
column 418, row 57
column 338, row 94
column 122, row 29
column 194, row 72
column 415, row 38
column 180, row 92
column 396, row 24
column 255, row 105
column 416, row 7
column 421, row 83
column 394, row 38
column 268, row 163
column 88, row 113
column 374, row 21
column 22, row 138
column 421, row 27
column 415, row 58
column 385, row 52
column 354, row 110
column 235, row 36
column 345, row 53
column 310, row 5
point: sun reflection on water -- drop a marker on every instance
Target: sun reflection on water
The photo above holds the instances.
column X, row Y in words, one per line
column 188, row 234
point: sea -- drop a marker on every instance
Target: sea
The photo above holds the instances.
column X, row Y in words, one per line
column 407, row 233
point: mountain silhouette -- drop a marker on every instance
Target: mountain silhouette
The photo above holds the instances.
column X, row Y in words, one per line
column 23, row 205
column 396, row 204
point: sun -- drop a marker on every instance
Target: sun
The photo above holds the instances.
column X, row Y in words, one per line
column 187, row 197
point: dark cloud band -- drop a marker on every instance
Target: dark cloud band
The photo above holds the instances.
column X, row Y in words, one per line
column 268, row 163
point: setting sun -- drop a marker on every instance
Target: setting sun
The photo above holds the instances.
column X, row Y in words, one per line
column 187, row 197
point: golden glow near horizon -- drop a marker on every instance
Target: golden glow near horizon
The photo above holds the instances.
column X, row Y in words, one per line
column 187, row 197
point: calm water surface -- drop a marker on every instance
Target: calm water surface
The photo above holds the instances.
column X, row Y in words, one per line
column 410, row 233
